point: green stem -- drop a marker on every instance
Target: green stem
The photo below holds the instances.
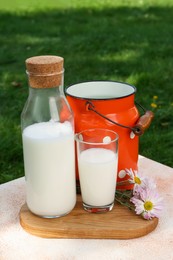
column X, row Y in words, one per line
column 128, row 205
column 123, row 197
column 126, row 194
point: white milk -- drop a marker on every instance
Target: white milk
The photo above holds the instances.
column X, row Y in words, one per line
column 49, row 161
column 98, row 171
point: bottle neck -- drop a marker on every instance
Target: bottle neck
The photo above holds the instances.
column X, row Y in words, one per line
column 45, row 92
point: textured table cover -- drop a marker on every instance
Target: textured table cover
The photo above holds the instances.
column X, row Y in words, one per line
column 15, row 243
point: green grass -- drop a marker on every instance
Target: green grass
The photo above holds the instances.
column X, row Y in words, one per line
column 129, row 41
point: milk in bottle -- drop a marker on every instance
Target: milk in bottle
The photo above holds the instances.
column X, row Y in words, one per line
column 48, row 140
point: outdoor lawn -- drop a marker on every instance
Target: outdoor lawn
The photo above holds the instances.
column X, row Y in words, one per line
column 120, row 40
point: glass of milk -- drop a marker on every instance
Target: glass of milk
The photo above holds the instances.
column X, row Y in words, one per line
column 97, row 152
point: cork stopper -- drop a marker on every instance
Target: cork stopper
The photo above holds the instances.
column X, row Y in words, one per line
column 45, row 71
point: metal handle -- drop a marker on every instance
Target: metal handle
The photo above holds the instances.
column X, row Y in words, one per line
column 142, row 124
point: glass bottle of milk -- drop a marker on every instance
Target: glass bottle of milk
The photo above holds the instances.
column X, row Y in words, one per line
column 48, row 140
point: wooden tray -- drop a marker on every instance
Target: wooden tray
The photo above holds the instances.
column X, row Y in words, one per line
column 120, row 223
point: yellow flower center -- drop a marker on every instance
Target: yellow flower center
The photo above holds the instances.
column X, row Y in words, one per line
column 137, row 180
column 148, row 205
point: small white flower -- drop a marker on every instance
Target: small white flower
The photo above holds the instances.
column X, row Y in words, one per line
column 149, row 204
column 145, row 197
column 137, row 179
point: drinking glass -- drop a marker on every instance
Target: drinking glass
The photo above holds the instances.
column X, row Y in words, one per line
column 97, row 153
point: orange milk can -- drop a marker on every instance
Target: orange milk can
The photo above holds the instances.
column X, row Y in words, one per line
column 111, row 105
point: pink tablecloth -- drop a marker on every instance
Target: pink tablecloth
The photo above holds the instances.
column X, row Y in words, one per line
column 16, row 244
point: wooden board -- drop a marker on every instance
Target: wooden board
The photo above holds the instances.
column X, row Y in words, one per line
column 120, row 223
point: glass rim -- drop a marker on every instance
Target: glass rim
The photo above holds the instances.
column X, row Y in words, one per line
column 99, row 143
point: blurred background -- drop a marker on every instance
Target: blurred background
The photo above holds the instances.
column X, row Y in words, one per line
column 122, row 40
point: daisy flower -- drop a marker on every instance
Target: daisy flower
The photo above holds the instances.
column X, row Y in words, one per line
column 149, row 204
column 143, row 199
column 134, row 176
column 137, row 179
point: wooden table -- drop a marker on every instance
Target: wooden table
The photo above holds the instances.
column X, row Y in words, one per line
column 16, row 243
